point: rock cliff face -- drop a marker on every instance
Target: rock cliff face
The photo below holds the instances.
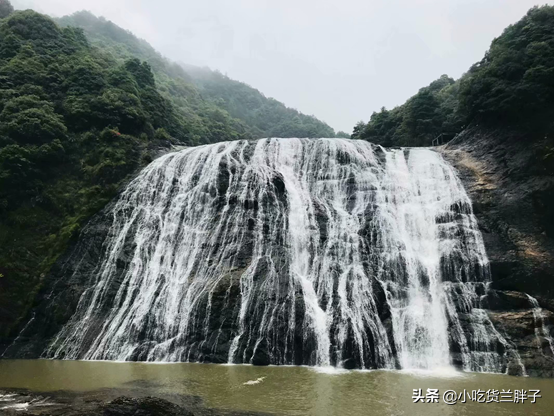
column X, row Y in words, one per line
column 512, row 196
column 512, row 191
column 58, row 299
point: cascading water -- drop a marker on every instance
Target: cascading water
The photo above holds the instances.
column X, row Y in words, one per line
column 291, row 251
column 540, row 324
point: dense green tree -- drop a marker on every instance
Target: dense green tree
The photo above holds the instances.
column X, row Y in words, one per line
column 417, row 122
column 422, row 118
column 18, row 172
column 196, row 92
column 24, row 68
column 514, row 82
column 29, row 120
column 513, row 85
column 74, row 123
column 358, row 130
column 342, row 134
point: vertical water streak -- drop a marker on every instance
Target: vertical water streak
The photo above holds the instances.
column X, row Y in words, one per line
column 540, row 323
column 434, row 265
column 408, row 206
column 290, row 251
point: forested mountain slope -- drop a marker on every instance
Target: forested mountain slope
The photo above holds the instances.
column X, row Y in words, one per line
column 74, row 123
column 513, row 85
column 502, row 111
column 417, row 122
column 270, row 117
column 192, row 87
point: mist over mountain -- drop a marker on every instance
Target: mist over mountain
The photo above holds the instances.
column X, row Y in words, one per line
column 265, row 117
column 510, row 87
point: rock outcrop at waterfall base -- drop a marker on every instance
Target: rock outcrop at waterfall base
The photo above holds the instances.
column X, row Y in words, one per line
column 108, row 402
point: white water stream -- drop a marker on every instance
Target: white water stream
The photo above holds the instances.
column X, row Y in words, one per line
column 293, row 251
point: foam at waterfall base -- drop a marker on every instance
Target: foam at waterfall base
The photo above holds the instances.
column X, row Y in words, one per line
column 441, row 372
column 330, row 370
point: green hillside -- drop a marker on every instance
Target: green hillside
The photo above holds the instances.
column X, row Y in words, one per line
column 512, row 86
column 197, row 90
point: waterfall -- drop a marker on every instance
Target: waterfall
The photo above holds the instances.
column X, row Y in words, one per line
column 290, row 251
column 539, row 320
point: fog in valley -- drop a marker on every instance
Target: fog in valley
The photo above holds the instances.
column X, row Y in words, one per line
column 337, row 60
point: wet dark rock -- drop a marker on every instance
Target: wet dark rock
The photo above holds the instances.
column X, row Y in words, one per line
column 506, row 300
column 151, row 406
column 349, row 364
column 517, row 325
column 107, row 403
column 494, row 167
column 512, row 197
column 261, row 356
column 58, row 298
column 279, row 185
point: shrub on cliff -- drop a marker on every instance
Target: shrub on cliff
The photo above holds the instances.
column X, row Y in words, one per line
column 514, row 82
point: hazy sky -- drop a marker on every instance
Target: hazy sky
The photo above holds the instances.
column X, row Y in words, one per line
column 339, row 60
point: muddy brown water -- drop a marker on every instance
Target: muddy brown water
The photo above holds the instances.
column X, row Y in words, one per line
column 290, row 390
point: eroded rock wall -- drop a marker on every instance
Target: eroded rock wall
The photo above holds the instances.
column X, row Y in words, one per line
column 512, row 190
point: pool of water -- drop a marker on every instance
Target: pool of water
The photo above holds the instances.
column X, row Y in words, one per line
column 288, row 390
